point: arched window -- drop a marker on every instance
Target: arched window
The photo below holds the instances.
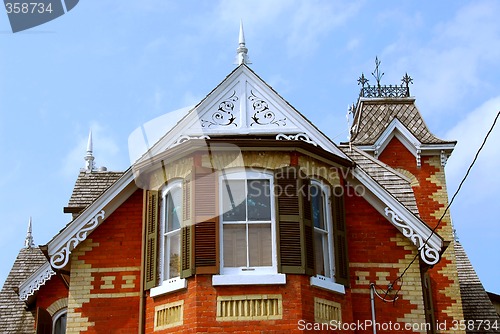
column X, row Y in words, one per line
column 171, row 215
column 59, row 322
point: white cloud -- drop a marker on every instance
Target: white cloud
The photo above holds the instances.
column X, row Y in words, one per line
column 483, row 182
column 105, row 150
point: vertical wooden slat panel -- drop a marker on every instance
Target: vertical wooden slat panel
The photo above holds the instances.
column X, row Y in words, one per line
column 340, row 237
column 187, row 265
column 151, row 212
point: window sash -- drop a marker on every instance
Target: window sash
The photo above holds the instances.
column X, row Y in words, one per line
column 170, row 243
column 245, row 259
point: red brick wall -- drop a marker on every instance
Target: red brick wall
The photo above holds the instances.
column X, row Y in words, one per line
column 372, row 254
column 52, row 291
column 113, row 307
column 431, row 186
column 200, row 301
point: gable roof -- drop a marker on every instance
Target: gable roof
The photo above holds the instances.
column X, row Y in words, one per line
column 242, row 104
column 476, row 304
column 14, row 318
column 373, row 116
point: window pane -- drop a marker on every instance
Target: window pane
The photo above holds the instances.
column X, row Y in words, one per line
column 260, row 245
column 235, row 245
column 173, row 256
column 173, row 209
column 233, row 200
column 317, row 201
column 60, row 325
column 259, row 201
column 322, row 253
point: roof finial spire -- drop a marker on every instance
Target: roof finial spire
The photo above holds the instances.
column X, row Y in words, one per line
column 29, row 242
column 242, row 51
column 89, row 158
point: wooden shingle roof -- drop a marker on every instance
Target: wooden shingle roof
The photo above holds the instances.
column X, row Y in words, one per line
column 14, row 318
column 89, row 186
column 374, row 115
column 476, row 304
column 392, row 181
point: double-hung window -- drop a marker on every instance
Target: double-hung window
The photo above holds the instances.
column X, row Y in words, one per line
column 323, row 238
column 170, row 243
column 247, row 217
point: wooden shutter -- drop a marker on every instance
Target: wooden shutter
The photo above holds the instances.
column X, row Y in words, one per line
column 294, row 215
column 206, row 221
column 428, row 304
column 187, row 268
column 43, row 321
column 151, row 217
column 339, row 236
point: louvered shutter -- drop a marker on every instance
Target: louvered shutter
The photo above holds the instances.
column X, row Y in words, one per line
column 294, row 226
column 340, row 237
column 43, row 321
column 187, row 268
column 206, row 221
column 151, row 239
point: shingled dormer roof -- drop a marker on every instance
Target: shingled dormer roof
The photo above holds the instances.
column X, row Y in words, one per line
column 391, row 180
column 476, row 304
column 88, row 187
column 14, row 318
column 374, row 115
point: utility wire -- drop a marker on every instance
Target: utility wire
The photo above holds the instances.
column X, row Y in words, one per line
column 449, row 204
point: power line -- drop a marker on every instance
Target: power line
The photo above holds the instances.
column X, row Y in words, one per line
column 447, row 207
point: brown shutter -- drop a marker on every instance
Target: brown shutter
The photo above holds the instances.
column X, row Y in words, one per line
column 295, row 231
column 206, row 221
column 151, row 239
column 340, row 237
column 43, row 321
column 187, row 268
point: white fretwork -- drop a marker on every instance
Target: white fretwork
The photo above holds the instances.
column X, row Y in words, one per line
column 61, row 258
column 428, row 254
column 43, row 274
column 299, row 136
column 185, row 138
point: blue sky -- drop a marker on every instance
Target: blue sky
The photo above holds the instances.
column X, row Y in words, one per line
column 114, row 65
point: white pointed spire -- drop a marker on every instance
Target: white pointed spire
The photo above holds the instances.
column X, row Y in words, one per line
column 29, row 242
column 89, row 158
column 242, row 51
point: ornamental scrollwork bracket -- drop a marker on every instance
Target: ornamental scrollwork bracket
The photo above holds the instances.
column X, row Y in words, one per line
column 262, row 114
column 224, row 115
column 61, row 258
column 428, row 254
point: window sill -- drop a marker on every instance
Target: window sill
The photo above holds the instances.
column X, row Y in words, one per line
column 327, row 284
column 168, row 286
column 254, row 279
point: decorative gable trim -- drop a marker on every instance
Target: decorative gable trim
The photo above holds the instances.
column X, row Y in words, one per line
column 412, row 144
column 428, row 254
column 398, row 215
column 242, row 104
column 35, row 281
column 80, row 228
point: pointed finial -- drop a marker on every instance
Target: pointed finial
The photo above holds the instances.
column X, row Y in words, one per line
column 242, row 51
column 376, row 74
column 29, row 242
column 89, row 158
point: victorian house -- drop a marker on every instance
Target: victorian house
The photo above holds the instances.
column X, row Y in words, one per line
column 244, row 217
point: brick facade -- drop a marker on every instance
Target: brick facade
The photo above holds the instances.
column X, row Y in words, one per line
column 432, row 199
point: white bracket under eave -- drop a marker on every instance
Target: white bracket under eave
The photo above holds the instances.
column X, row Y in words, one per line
column 418, row 156
column 61, row 258
column 444, row 158
column 428, row 254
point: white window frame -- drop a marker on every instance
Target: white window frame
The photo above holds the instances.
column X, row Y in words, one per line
column 175, row 283
column 248, row 275
column 324, row 281
column 57, row 315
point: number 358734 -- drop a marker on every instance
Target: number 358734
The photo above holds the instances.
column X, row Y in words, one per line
column 28, row 7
